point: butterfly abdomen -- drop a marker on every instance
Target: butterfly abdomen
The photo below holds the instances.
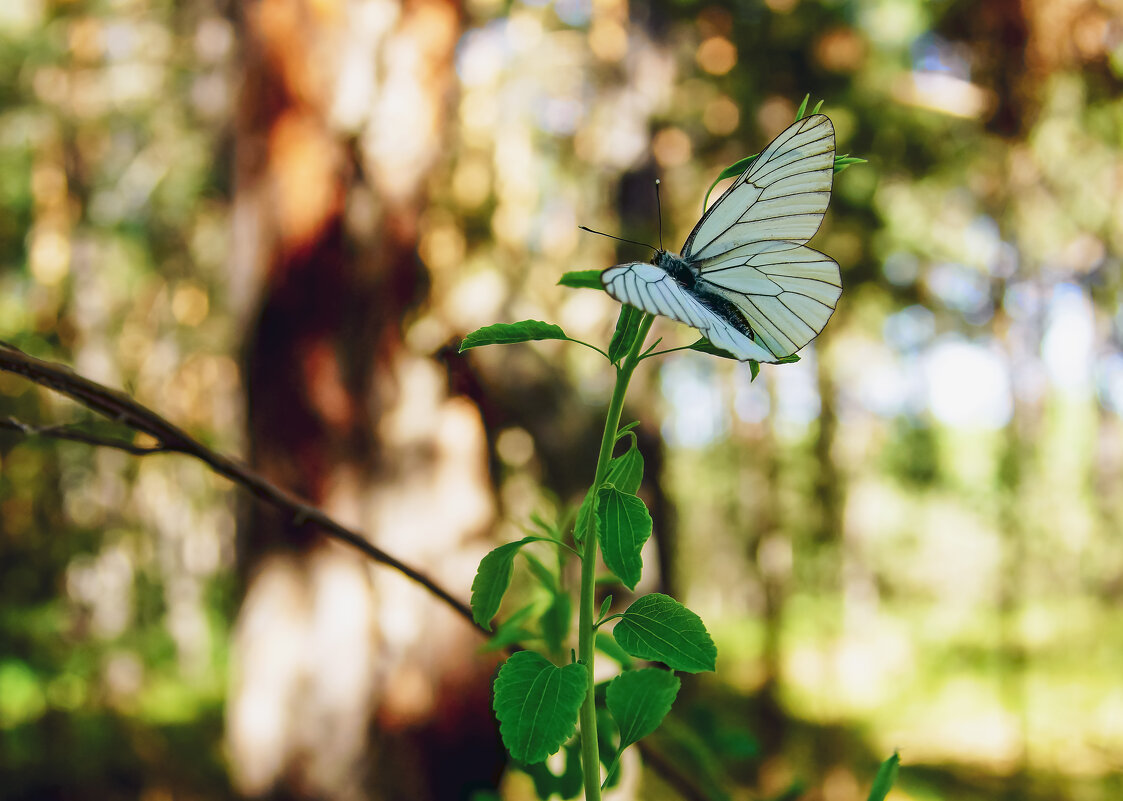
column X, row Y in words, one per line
column 723, row 308
column 687, row 277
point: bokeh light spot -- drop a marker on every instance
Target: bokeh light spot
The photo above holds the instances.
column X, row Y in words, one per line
column 717, row 55
column 721, row 116
column 671, row 147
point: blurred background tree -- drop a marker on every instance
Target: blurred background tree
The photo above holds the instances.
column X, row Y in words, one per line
column 269, row 221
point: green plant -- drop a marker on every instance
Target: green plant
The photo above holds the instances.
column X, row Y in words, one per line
column 538, row 702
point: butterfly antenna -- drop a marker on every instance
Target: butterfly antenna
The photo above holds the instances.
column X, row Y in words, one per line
column 618, row 238
column 659, row 208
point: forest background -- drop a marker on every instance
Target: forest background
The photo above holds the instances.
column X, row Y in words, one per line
column 271, row 222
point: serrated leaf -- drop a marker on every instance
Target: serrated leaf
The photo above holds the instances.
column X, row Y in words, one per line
column 536, row 703
column 623, row 526
column 510, row 333
column 627, row 328
column 607, row 645
column 886, row 777
column 626, row 470
column 493, row 577
column 556, row 620
column 582, row 279
column 659, row 628
column 639, row 700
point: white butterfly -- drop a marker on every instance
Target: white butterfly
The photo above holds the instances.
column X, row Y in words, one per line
column 745, row 278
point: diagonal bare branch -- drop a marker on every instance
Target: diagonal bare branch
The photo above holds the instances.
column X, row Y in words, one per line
column 123, row 409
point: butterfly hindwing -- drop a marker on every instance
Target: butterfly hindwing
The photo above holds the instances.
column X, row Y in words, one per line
column 786, row 291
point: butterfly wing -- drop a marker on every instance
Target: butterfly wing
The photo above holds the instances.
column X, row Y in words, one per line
column 782, row 196
column 785, row 290
column 651, row 288
column 749, row 246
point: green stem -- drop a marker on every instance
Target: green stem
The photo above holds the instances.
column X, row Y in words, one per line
column 590, row 756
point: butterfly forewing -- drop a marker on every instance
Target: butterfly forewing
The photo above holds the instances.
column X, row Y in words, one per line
column 781, row 197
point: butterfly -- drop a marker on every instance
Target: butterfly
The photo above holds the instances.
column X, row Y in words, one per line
column 746, row 278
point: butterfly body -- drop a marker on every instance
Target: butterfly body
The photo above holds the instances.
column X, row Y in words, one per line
column 745, row 278
column 677, row 267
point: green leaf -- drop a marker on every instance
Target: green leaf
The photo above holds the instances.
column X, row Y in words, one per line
column 549, row 529
column 605, row 605
column 509, row 333
column 639, row 700
column 626, row 471
column 842, row 162
column 627, row 327
column 658, row 627
column 704, row 345
column 754, row 371
column 555, row 621
column 571, row 782
column 818, row 106
column 802, row 108
column 736, row 168
column 536, row 703
column 733, row 170
column 581, row 527
column 511, row 631
column 544, row 575
column 493, row 577
column 607, row 645
column 794, row 791
column 547, row 783
column 684, row 746
column 623, row 526
column 582, row 279
column 623, row 430
column 886, row 776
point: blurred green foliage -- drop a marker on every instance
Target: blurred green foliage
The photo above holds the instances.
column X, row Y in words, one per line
column 909, row 539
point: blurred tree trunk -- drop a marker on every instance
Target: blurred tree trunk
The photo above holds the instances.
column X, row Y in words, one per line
column 342, row 115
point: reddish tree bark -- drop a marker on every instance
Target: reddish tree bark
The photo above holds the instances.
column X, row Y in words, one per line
column 323, row 648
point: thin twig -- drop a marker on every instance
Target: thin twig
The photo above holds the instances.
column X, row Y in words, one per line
column 72, row 434
column 121, row 408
